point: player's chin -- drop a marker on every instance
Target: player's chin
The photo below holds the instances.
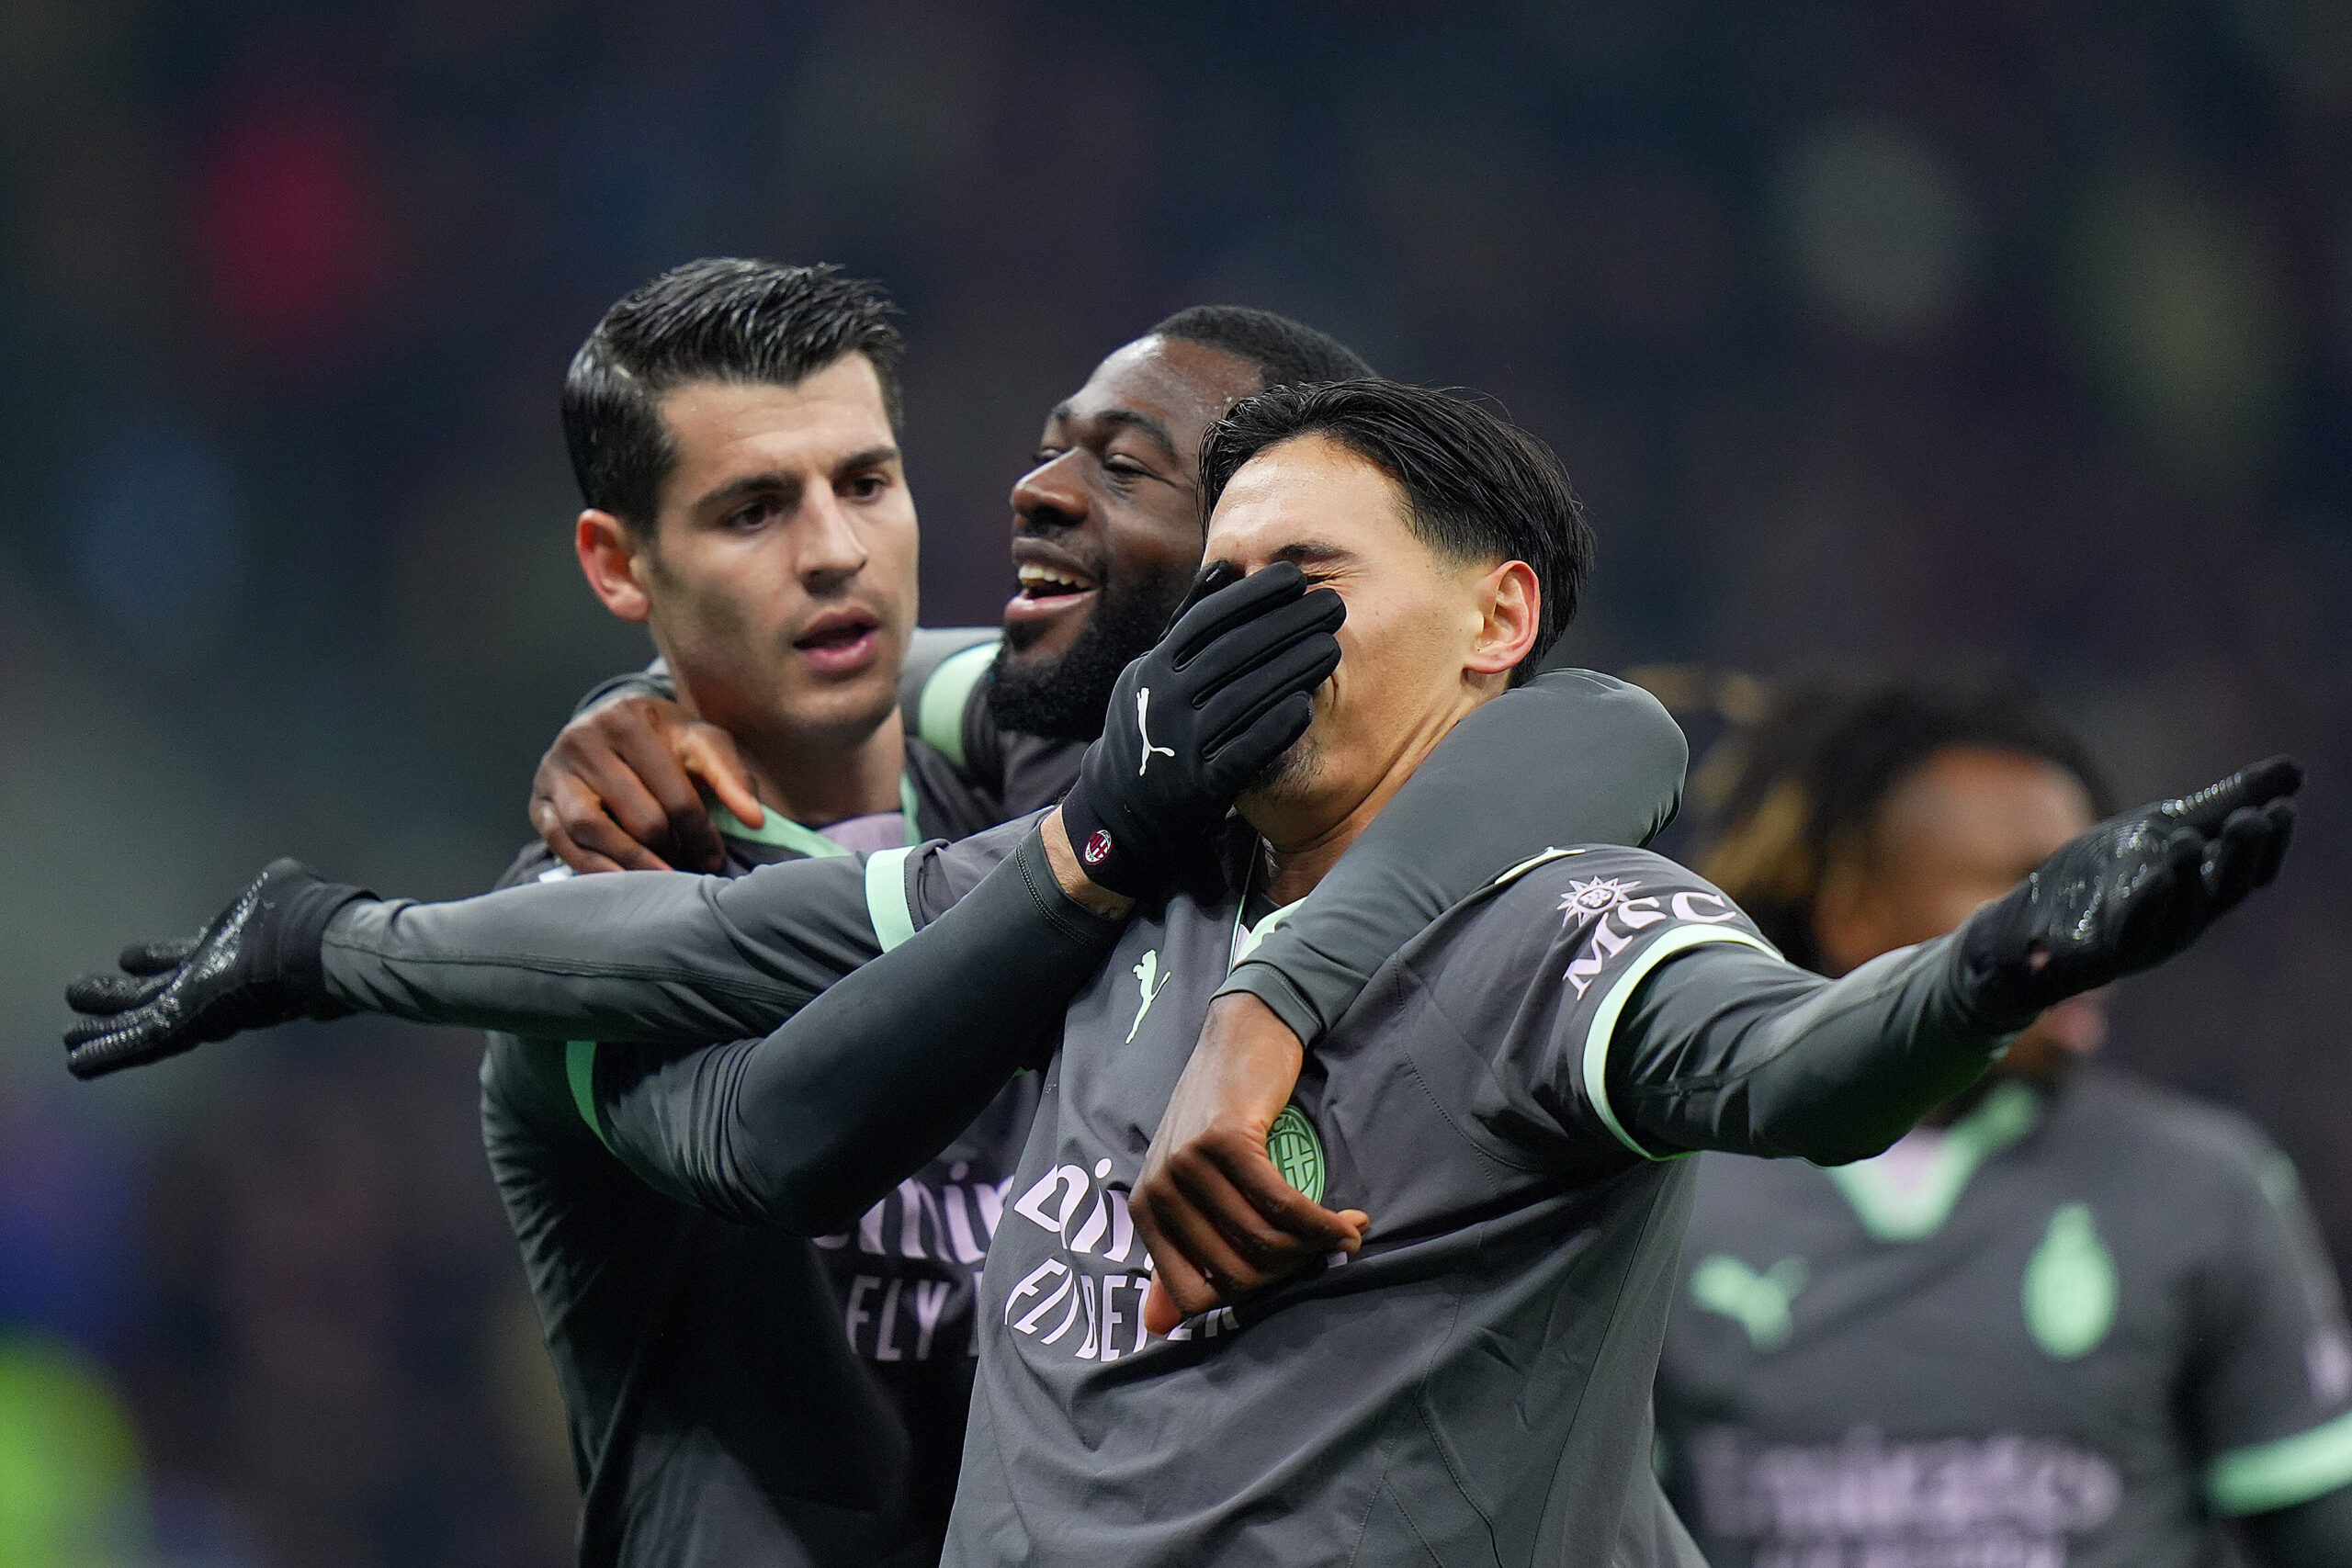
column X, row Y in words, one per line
column 1289, row 778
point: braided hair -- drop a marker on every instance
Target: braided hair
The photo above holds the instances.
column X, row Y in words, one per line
column 1800, row 789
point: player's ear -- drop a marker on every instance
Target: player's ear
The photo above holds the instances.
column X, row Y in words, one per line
column 1510, row 611
column 609, row 556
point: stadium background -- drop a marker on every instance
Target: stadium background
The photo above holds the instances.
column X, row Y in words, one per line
column 1916, row 333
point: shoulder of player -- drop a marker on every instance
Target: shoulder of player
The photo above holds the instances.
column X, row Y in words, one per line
column 2171, row 1131
column 1623, row 717
column 1588, row 880
column 943, row 678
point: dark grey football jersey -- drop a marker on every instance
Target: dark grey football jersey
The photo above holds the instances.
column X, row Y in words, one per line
column 1474, row 1386
column 736, row 1395
column 2095, row 1322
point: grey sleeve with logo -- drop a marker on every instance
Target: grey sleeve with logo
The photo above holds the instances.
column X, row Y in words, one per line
column 807, row 1128
column 2271, row 1394
column 661, row 957
column 1678, row 1028
column 1571, row 758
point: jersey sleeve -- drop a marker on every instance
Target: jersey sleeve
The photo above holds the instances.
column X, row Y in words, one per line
column 1658, row 1014
column 1571, row 940
column 653, row 957
column 1572, row 758
column 805, row 1128
column 2272, row 1391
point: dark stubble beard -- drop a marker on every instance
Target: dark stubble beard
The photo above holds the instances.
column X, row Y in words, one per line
column 1064, row 698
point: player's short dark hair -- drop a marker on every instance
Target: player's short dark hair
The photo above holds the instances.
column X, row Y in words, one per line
column 720, row 319
column 1807, row 780
column 1477, row 487
column 1286, row 353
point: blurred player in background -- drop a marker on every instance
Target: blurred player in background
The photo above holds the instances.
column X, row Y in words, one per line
column 2074, row 1319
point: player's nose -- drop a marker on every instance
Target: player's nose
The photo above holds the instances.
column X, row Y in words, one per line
column 1050, row 497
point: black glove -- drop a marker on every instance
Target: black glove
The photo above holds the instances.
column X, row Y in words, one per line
column 2129, row 893
column 257, row 964
column 1193, row 722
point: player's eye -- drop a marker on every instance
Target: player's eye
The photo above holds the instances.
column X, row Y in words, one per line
column 758, row 514
column 1045, row 454
column 865, row 487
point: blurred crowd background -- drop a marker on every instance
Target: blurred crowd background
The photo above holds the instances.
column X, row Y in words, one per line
column 1964, row 332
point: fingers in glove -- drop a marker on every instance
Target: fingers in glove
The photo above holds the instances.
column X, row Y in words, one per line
column 158, row 957
column 2274, row 778
column 103, row 995
column 2167, row 907
column 1247, row 757
column 1216, row 574
column 2237, row 857
column 1229, row 606
column 1246, row 645
column 2280, row 814
column 1298, row 671
column 2247, row 854
column 93, row 1053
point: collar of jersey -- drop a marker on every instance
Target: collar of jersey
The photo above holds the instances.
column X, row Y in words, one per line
column 1892, row 1213
column 785, row 833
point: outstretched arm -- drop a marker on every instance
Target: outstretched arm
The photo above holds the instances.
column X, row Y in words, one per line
column 1723, row 1045
column 664, row 958
column 1680, row 1029
column 805, row 1129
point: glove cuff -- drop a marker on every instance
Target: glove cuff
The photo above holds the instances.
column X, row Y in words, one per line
column 1108, row 862
column 306, row 903
column 1993, row 978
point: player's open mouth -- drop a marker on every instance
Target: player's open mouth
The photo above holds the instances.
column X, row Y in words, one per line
column 1049, row 588
column 841, row 643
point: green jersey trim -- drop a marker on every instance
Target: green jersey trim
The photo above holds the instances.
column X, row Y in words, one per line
column 1891, row 1214
column 939, row 715
column 886, row 898
column 778, row 830
column 580, row 1072
column 782, row 831
column 2279, row 1475
column 1604, row 1032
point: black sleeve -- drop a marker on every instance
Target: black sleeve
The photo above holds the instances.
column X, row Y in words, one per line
column 1728, row 1047
column 805, row 1129
column 1571, row 758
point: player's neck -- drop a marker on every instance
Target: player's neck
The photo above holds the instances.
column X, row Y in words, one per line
column 825, row 777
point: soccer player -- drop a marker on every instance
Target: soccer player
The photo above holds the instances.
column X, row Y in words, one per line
column 1106, row 536
column 2072, row 1318
column 733, row 430
column 1473, row 1382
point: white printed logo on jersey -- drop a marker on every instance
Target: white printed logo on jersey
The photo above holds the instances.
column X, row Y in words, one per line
column 927, row 1243
column 2007, row 1499
column 1148, row 975
column 1100, row 1317
column 1617, row 917
column 1143, row 728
